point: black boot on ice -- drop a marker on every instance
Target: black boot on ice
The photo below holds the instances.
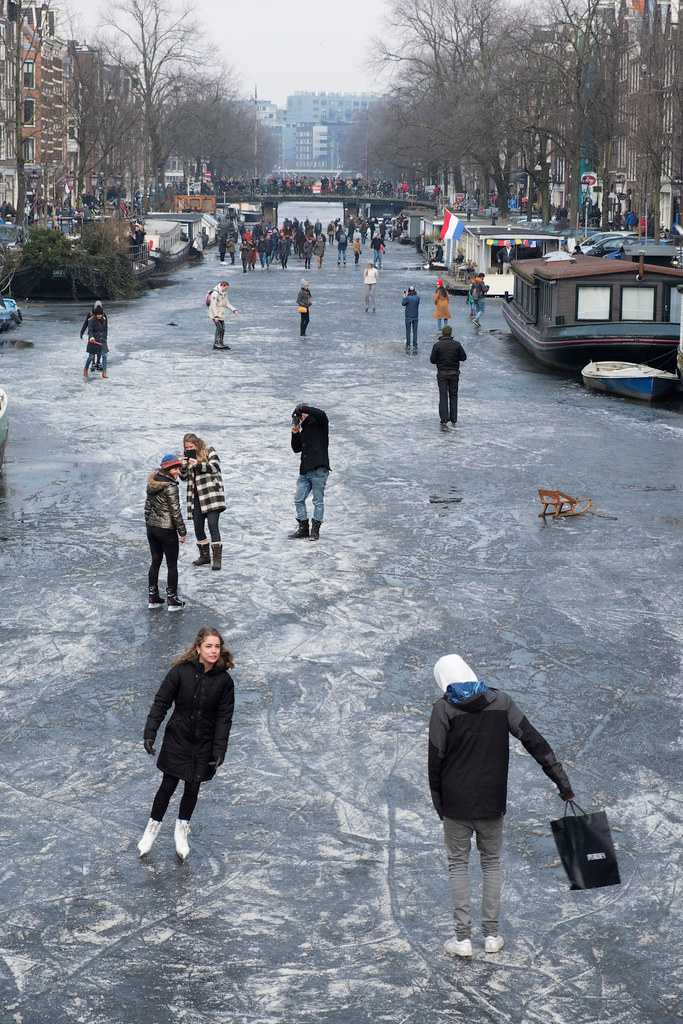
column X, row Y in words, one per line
column 315, row 530
column 217, row 553
column 203, row 555
column 155, row 601
column 174, row 603
column 302, row 530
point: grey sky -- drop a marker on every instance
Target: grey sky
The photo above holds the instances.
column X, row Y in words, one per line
column 283, row 45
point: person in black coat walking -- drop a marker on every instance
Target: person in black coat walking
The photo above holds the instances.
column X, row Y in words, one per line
column 447, row 354
column 201, row 689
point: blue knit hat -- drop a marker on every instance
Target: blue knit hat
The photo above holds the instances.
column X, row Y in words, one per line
column 170, row 460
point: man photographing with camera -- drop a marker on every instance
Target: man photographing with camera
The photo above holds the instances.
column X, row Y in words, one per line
column 310, row 436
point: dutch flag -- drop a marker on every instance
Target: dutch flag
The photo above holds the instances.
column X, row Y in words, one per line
column 453, row 227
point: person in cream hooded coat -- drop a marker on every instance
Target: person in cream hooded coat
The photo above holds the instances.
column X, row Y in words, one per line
column 468, row 771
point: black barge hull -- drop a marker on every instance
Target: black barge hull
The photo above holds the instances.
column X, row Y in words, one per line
column 572, row 349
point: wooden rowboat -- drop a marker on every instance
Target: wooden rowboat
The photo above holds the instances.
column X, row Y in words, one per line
column 629, row 380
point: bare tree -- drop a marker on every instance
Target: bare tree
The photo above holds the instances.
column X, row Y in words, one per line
column 449, row 65
column 156, row 38
column 103, row 112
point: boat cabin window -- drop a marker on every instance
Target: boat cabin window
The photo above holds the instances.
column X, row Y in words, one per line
column 637, row 303
column 525, row 298
column 545, row 300
column 672, row 304
column 593, row 302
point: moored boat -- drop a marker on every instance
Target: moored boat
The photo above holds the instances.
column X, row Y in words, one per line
column 629, row 380
column 10, row 314
column 569, row 313
column 4, row 425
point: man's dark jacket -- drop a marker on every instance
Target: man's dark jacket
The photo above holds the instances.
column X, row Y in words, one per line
column 469, row 754
column 312, row 440
column 447, row 354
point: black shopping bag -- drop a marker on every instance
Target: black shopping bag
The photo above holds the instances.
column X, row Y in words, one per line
column 584, row 843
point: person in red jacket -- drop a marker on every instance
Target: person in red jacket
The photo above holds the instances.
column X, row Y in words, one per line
column 468, row 773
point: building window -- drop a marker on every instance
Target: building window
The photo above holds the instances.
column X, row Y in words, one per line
column 637, row 303
column 29, row 74
column 29, row 111
column 593, row 302
column 29, row 151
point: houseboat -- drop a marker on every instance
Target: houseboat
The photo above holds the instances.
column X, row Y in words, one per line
column 191, row 224
column 167, row 242
column 479, row 248
column 4, row 425
column 567, row 313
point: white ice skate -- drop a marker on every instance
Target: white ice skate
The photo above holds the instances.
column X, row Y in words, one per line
column 148, row 836
column 493, row 943
column 182, row 847
column 458, row 947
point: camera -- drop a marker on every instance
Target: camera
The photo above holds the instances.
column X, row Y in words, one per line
column 296, row 419
column 190, row 453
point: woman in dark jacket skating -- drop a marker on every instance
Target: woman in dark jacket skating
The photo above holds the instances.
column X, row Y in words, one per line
column 201, row 689
column 165, row 530
column 97, row 310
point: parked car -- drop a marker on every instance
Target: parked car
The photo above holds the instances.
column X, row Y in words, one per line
column 587, row 245
column 612, row 248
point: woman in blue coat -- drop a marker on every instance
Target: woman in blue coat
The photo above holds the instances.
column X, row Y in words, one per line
column 201, row 689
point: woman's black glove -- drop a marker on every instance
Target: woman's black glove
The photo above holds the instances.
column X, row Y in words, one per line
column 149, row 745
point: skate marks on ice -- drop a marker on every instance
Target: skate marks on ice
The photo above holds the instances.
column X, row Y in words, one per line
column 316, row 890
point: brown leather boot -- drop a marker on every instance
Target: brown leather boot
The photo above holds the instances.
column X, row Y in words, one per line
column 203, row 555
column 217, row 554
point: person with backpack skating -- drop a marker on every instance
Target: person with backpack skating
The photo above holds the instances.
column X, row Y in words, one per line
column 202, row 692
column 218, row 303
column 468, row 771
column 165, row 530
column 475, row 298
column 342, row 245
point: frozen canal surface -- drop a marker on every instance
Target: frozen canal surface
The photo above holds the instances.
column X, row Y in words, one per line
column 316, row 890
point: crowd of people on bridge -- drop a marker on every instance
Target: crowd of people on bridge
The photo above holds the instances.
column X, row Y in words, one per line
column 298, row 184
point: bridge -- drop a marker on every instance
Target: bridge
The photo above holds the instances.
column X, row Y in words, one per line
column 352, row 202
